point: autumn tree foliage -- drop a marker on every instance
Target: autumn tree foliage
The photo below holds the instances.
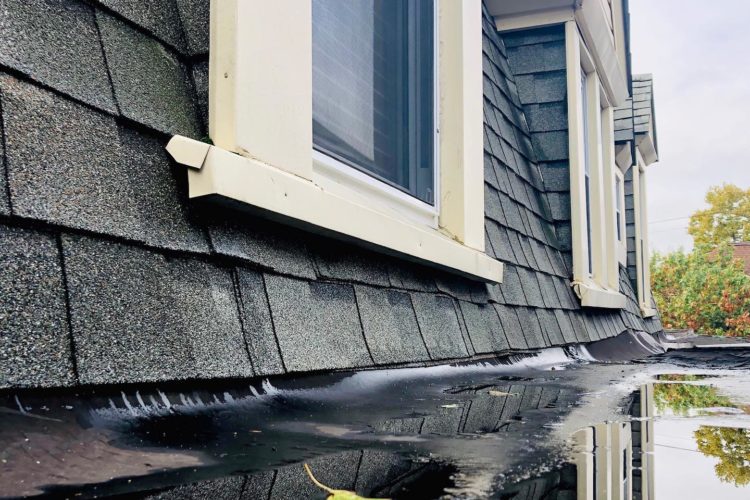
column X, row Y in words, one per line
column 726, row 220
column 732, row 447
column 706, row 290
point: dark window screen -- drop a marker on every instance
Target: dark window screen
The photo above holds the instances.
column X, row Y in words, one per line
column 373, row 90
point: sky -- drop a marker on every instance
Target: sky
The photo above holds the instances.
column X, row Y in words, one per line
column 698, row 54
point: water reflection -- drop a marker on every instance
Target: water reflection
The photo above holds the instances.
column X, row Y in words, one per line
column 547, row 427
column 732, row 447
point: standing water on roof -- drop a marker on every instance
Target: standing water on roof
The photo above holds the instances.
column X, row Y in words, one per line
column 552, row 425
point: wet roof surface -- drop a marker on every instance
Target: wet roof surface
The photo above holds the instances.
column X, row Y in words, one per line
column 515, row 430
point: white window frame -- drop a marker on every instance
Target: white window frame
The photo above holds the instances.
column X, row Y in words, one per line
column 260, row 122
column 642, row 253
column 337, row 177
column 600, row 287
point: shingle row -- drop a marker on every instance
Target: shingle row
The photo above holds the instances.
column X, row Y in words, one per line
column 102, row 61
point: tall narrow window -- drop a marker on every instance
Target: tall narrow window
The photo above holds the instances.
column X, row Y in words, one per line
column 587, row 165
column 618, row 207
column 373, row 89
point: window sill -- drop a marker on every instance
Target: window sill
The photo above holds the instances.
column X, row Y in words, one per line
column 594, row 296
column 216, row 172
column 648, row 312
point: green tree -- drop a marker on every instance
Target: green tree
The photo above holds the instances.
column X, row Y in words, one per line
column 732, row 447
column 706, row 290
column 681, row 398
column 727, row 219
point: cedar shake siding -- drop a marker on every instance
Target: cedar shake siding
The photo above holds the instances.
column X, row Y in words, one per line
column 109, row 275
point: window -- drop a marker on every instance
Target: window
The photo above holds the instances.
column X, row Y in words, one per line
column 323, row 115
column 618, row 207
column 622, row 246
column 592, row 179
column 373, row 89
column 587, row 146
column 643, row 272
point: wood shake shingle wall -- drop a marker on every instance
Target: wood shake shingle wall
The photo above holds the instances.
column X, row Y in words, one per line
column 109, row 275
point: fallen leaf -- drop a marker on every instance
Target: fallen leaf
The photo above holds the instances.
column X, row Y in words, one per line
column 335, row 494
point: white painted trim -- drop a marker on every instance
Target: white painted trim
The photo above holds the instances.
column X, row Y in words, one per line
column 601, row 288
column 642, row 257
column 261, row 108
column 594, row 296
column 347, row 182
column 599, row 39
column 462, row 121
column 576, row 154
column 609, row 174
column 303, row 203
column 534, row 19
column 649, row 312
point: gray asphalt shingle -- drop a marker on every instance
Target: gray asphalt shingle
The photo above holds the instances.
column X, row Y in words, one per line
column 390, row 325
column 159, row 17
column 317, row 324
column 484, row 328
column 151, row 85
column 512, row 326
column 274, row 247
column 56, row 43
column 438, row 323
column 34, row 335
column 195, row 15
column 124, row 184
column 531, row 328
column 124, row 333
column 257, row 323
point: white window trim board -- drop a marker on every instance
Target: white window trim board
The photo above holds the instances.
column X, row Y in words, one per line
column 643, row 271
column 304, row 204
column 260, row 122
column 600, row 289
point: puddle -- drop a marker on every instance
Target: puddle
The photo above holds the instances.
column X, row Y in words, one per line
column 545, row 426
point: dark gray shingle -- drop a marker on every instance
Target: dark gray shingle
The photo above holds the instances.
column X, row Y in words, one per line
column 550, row 326
column 390, row 325
column 159, row 17
column 512, row 327
column 94, row 175
column 274, row 247
column 317, row 324
column 257, row 323
column 531, row 328
column 195, row 16
column 139, row 317
column 56, row 43
column 484, row 328
column 438, row 323
column 34, row 335
column 151, row 85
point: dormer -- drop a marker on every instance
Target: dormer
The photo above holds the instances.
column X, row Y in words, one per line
column 602, row 25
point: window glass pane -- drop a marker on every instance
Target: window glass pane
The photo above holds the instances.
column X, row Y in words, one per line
column 373, row 100
column 618, row 207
